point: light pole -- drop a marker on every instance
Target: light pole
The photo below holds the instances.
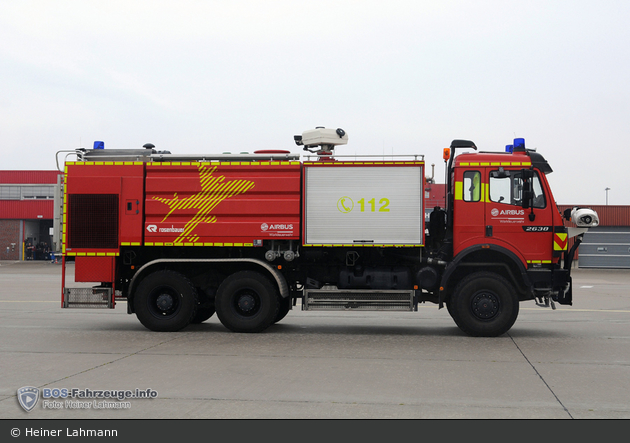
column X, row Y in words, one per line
column 607, row 189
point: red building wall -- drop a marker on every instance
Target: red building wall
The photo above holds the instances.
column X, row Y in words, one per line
column 9, row 235
column 27, row 209
column 29, row 177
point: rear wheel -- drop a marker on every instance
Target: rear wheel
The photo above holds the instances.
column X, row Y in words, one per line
column 484, row 304
column 165, row 301
column 247, row 301
column 283, row 309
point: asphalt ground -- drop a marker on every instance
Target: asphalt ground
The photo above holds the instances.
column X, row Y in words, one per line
column 568, row 363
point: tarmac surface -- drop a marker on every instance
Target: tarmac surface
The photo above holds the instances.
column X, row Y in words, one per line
column 568, row 363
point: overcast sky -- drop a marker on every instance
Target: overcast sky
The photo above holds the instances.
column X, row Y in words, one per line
column 400, row 77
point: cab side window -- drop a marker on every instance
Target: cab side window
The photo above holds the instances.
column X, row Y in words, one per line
column 472, row 186
column 507, row 187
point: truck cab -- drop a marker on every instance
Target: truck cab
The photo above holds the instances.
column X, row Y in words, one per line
column 508, row 241
column 490, row 206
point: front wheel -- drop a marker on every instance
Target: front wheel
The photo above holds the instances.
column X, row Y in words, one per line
column 484, row 304
column 247, row 301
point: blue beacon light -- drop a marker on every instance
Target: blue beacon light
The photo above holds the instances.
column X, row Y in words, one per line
column 519, row 145
column 509, row 148
column 99, row 145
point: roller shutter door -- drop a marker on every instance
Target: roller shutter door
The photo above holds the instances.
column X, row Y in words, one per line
column 605, row 247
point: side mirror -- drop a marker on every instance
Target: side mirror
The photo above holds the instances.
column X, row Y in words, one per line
column 528, row 191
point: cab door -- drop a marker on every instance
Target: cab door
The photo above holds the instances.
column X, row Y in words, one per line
column 526, row 231
column 468, row 207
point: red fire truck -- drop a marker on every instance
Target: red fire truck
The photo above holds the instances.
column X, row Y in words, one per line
column 180, row 237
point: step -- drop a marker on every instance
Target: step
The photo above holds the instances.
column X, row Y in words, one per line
column 358, row 300
column 96, row 298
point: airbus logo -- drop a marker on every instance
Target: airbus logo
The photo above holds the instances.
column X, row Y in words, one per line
column 495, row 212
column 513, row 212
column 281, row 227
column 278, row 227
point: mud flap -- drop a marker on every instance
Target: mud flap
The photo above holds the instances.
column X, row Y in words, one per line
column 566, row 297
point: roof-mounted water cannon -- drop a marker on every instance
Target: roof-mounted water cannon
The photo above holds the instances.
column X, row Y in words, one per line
column 321, row 141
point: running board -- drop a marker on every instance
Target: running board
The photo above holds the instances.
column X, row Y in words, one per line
column 96, row 298
column 358, row 300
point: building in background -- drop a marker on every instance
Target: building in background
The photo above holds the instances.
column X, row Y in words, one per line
column 27, row 213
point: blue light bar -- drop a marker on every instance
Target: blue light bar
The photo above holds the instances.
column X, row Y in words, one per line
column 509, row 148
column 519, row 144
column 99, row 145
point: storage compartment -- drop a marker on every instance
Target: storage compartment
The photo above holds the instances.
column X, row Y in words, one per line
column 361, row 204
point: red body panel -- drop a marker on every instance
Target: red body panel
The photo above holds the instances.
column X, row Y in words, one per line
column 94, row 269
column 221, row 204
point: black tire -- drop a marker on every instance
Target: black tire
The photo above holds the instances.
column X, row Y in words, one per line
column 484, row 304
column 448, row 307
column 246, row 301
column 283, row 308
column 202, row 315
column 165, row 301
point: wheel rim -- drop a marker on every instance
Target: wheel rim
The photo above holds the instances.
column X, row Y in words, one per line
column 246, row 303
column 485, row 305
column 163, row 302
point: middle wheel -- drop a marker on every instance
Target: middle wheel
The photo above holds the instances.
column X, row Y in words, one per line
column 247, row 301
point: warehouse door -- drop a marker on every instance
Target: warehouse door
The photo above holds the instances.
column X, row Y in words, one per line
column 605, row 247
